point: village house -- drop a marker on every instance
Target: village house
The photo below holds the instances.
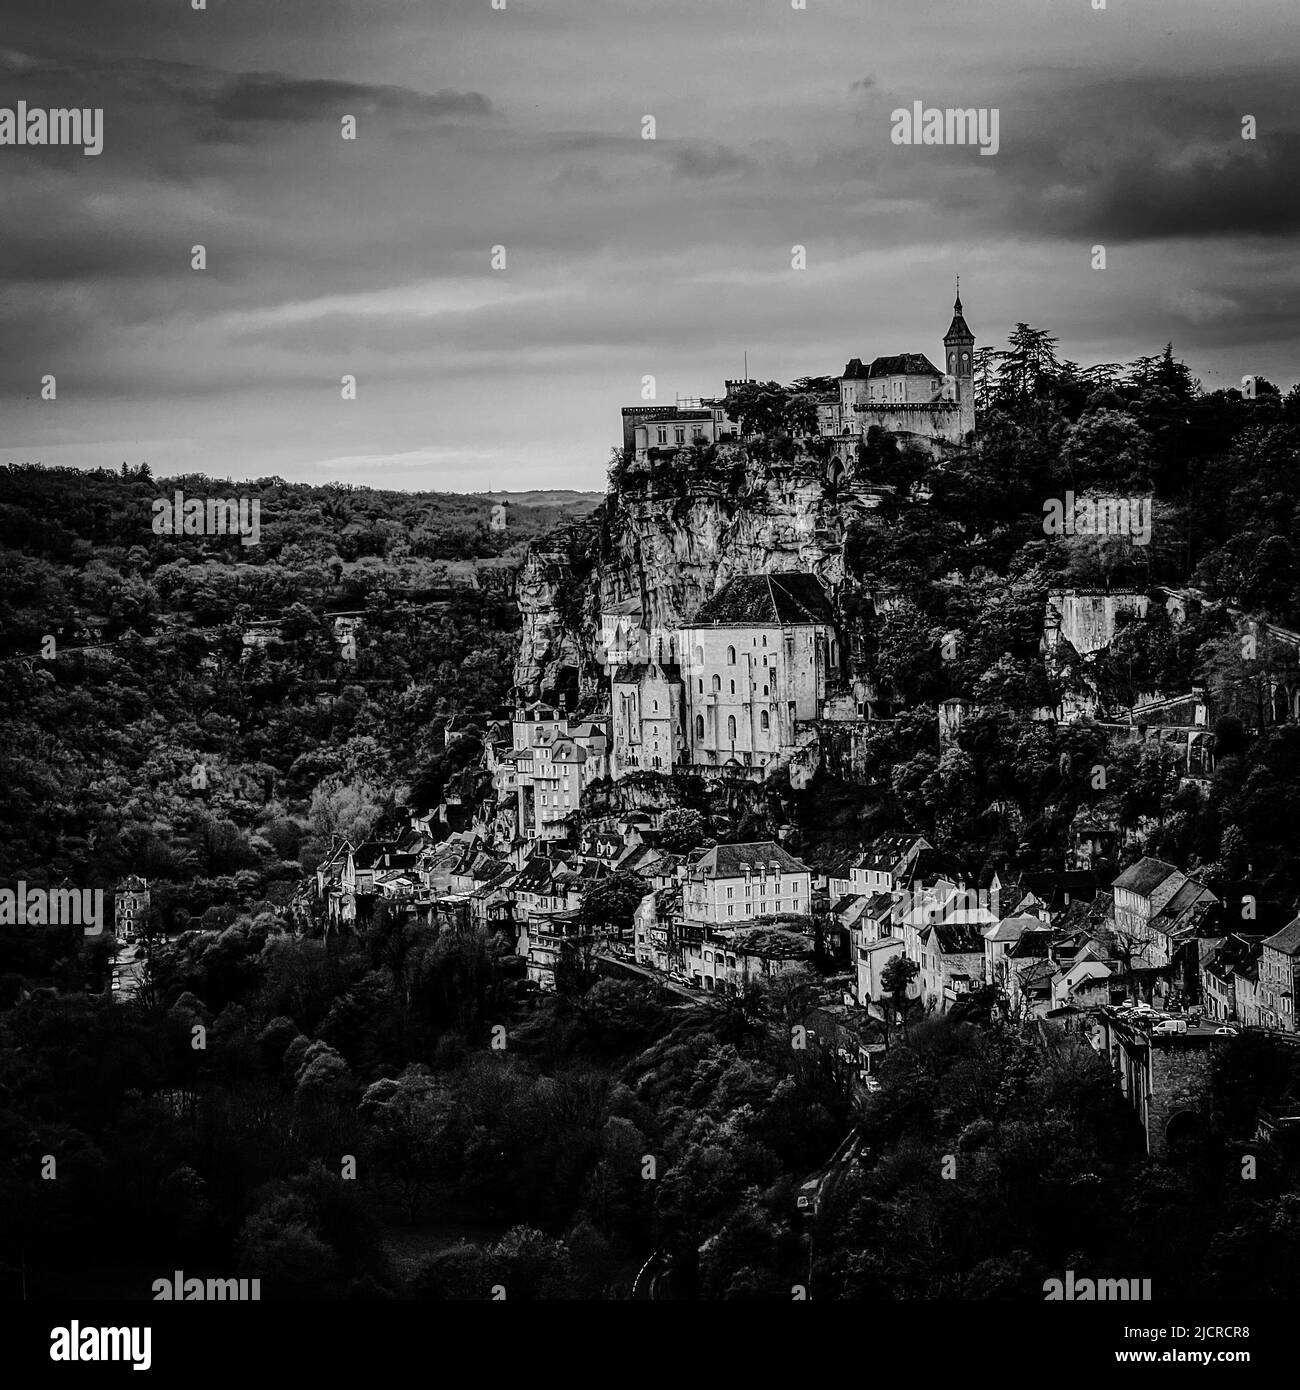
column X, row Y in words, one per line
column 952, row 962
column 1157, row 910
column 724, row 961
column 130, row 907
column 732, row 884
column 553, row 764
column 1229, row 978
column 654, row 940
column 1086, row 982
column 1277, row 977
column 999, row 940
column 546, row 938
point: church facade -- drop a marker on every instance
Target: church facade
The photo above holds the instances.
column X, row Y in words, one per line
column 730, row 689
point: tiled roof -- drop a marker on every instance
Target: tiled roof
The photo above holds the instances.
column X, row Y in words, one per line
column 730, row 861
column 766, row 599
column 959, row 939
column 1145, row 876
column 1287, row 940
column 1012, row 928
column 903, row 364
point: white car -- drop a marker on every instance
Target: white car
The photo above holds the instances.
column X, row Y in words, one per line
column 1171, row 1025
column 1228, row 1031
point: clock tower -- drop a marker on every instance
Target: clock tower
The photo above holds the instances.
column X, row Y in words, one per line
column 959, row 363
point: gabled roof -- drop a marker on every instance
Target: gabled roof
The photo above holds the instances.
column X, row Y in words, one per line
column 1287, row 940
column 731, row 861
column 1145, row 876
column 903, row 364
column 959, row 939
column 1012, row 928
column 1033, row 945
column 1181, row 910
column 369, row 853
column 900, row 364
column 765, row 600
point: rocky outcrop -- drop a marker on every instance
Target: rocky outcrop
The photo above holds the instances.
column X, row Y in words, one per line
column 670, row 535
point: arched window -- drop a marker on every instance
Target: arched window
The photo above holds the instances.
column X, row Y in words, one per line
column 699, row 658
column 835, row 655
column 764, row 721
column 731, row 656
column 731, row 727
column 733, row 687
column 699, row 726
column 717, row 683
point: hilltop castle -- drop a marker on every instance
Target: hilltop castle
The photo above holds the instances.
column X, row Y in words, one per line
column 903, row 394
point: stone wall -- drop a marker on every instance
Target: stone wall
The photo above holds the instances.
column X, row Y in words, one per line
column 1180, row 1083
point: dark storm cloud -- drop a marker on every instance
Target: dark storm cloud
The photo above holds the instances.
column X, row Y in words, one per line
column 706, row 162
column 280, row 99
column 625, row 255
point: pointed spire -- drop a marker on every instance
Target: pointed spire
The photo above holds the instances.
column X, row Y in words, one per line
column 958, row 328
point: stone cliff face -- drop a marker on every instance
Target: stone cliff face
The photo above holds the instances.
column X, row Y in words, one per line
column 670, row 536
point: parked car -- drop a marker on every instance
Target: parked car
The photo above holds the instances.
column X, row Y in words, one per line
column 1171, row 1025
column 1228, row 1031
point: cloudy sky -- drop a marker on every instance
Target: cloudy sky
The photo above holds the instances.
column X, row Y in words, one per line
column 625, row 257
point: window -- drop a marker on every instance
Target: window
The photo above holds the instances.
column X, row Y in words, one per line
column 679, row 434
column 765, row 639
column 663, row 435
column 717, row 683
column 733, row 687
column 701, row 685
column 656, row 706
column 731, row 727
column 730, row 892
column 731, row 656
column 699, row 723
column 764, row 719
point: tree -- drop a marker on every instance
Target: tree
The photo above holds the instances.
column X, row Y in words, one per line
column 759, row 407
column 610, row 905
column 895, row 979
column 682, row 829
column 1028, row 364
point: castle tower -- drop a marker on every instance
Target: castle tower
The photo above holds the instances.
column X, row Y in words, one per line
column 959, row 360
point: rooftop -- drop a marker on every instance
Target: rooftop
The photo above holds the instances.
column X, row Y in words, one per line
column 733, row 861
column 767, row 599
column 1287, row 940
column 1145, row 876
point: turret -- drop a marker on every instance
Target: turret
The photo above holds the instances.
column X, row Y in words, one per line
column 959, row 359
